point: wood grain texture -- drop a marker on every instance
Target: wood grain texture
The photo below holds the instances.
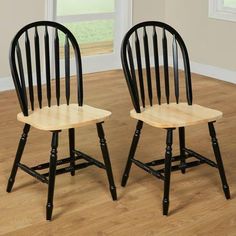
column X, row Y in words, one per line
column 176, row 115
column 89, row 49
column 83, row 205
column 64, row 117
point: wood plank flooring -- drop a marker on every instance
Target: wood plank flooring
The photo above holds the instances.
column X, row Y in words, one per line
column 83, row 205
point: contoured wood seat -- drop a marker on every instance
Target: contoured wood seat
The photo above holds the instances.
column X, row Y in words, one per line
column 158, row 44
column 64, row 117
column 174, row 115
column 35, row 56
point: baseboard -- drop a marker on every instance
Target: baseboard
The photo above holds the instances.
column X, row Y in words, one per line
column 6, row 83
column 202, row 69
column 214, row 72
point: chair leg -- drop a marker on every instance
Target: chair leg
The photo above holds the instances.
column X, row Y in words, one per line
column 106, row 159
column 132, row 152
column 19, row 153
column 219, row 161
column 181, row 148
column 72, row 148
column 52, row 173
column 168, row 155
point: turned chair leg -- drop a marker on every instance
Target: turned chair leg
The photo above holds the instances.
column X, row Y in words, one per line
column 168, row 155
column 72, row 148
column 106, row 159
column 19, row 153
column 132, row 152
column 52, row 173
column 219, row 161
column 181, row 148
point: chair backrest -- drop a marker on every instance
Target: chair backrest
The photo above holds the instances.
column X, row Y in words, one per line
column 32, row 50
column 142, row 46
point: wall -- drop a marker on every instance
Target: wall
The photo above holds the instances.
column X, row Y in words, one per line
column 13, row 15
column 148, row 10
column 211, row 43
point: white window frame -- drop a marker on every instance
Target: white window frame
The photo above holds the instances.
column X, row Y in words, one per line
column 122, row 24
column 217, row 10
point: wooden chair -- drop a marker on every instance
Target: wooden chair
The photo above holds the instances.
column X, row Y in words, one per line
column 141, row 45
column 53, row 118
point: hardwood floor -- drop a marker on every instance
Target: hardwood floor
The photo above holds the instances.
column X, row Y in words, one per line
column 89, row 49
column 83, row 205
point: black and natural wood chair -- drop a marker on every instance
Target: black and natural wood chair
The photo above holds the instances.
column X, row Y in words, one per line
column 143, row 44
column 41, row 44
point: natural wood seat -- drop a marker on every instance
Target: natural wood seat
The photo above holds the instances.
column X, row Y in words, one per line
column 176, row 115
column 64, row 117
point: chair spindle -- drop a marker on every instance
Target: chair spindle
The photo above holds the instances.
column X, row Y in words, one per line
column 132, row 69
column 47, row 65
column 21, row 71
column 147, row 60
column 176, row 69
column 188, row 82
column 166, row 69
column 57, row 66
column 79, row 74
column 156, row 61
column 132, row 89
column 38, row 67
column 67, row 69
column 140, row 70
column 29, row 69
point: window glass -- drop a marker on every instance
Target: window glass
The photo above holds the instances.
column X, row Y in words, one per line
column 92, row 31
column 77, row 7
column 230, row 3
column 94, row 37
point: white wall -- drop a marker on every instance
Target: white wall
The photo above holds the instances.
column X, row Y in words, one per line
column 148, row 10
column 13, row 15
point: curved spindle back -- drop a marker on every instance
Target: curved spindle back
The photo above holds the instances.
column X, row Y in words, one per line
column 142, row 46
column 31, row 56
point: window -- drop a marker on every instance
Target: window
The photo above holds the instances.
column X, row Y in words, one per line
column 91, row 21
column 222, row 9
column 98, row 25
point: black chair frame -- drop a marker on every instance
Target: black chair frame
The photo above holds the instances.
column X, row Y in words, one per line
column 137, row 94
column 17, row 70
